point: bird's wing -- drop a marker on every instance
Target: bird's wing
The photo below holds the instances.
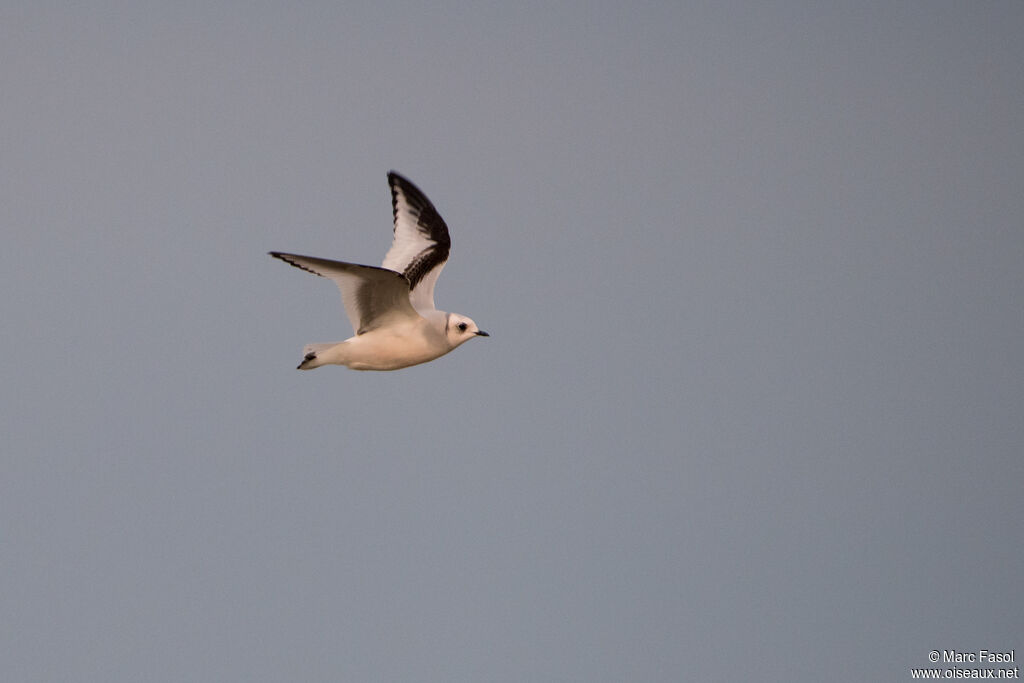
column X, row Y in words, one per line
column 421, row 244
column 373, row 297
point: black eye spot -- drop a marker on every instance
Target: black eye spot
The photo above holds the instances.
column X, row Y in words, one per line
column 462, row 327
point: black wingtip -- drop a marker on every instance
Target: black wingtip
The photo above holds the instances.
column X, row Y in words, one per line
column 287, row 258
column 416, row 197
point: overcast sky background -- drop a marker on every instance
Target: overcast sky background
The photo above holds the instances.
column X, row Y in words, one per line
column 753, row 403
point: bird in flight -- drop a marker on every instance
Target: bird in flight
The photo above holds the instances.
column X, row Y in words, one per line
column 391, row 308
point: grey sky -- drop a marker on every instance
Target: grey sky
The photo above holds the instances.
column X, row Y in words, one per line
column 752, row 404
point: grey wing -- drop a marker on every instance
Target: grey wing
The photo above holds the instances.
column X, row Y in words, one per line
column 372, row 296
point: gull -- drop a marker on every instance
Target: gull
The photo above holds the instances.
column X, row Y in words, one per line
column 391, row 308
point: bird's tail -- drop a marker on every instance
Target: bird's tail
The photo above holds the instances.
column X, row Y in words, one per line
column 311, row 354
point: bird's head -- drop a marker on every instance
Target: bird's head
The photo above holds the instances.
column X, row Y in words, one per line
column 459, row 329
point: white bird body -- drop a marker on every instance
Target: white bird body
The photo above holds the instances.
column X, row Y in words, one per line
column 392, row 308
column 387, row 348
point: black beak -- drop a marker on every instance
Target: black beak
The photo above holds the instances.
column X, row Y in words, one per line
column 481, row 333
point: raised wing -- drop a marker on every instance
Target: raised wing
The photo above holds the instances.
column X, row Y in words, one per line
column 421, row 244
column 372, row 296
